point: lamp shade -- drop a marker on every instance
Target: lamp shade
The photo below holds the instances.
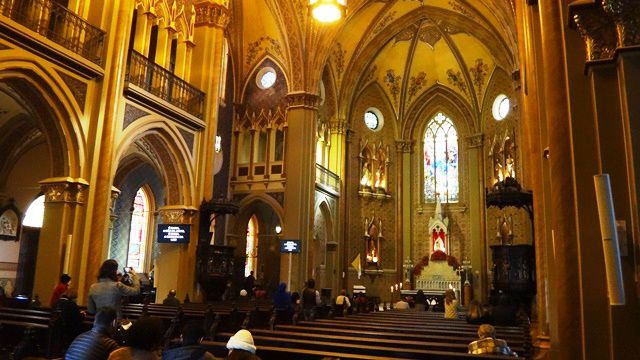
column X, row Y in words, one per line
column 328, row 11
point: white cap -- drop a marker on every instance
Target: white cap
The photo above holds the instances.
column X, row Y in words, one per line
column 243, row 292
column 242, row 340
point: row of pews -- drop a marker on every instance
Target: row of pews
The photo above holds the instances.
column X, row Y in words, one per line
column 377, row 335
column 370, row 335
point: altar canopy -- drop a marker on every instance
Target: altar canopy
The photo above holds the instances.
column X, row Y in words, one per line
column 438, row 228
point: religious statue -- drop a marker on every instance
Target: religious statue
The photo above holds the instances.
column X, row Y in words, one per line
column 381, row 179
column 365, row 180
column 509, row 167
column 438, row 225
column 438, row 242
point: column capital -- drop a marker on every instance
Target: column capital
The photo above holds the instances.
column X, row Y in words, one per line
column 475, row 140
column 177, row 214
column 302, row 99
column 625, row 14
column 597, row 28
column 64, row 190
column 404, row 146
column 339, row 126
column 212, row 13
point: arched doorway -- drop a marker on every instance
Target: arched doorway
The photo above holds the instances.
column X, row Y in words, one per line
column 257, row 244
column 323, row 257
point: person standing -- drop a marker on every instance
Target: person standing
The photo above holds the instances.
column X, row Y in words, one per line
column 60, row 289
column 249, row 283
column 108, row 292
column 450, row 305
column 310, row 300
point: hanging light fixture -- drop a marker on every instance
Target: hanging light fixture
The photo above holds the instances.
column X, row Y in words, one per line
column 328, row 11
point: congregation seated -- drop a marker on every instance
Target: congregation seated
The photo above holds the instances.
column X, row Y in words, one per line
column 95, row 344
column 62, row 286
column 505, row 312
column 478, row 313
column 421, row 301
column 71, row 316
column 171, row 299
column 489, row 344
column 450, row 305
column 259, row 292
column 282, row 299
column 143, row 341
column 192, row 334
column 342, row 302
column 241, row 346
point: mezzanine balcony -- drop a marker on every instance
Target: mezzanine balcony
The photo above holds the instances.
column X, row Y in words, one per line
column 56, row 23
column 327, row 179
column 178, row 99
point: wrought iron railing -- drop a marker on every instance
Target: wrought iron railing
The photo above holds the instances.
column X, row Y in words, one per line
column 58, row 24
column 162, row 83
column 327, row 178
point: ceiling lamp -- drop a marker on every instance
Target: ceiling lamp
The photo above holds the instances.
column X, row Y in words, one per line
column 328, row 11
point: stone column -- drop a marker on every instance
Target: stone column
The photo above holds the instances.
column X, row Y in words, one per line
column 532, row 156
column 479, row 244
column 338, row 129
column 404, row 149
column 569, row 342
column 106, row 120
column 61, row 229
column 207, row 57
column 175, row 264
column 302, row 113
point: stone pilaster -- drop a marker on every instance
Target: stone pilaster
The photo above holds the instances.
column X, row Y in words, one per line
column 175, row 265
column 60, row 236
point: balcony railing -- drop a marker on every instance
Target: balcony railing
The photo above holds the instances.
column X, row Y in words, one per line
column 58, row 24
column 162, row 83
column 327, row 178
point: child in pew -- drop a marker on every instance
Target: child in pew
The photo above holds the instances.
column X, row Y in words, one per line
column 241, row 346
column 488, row 344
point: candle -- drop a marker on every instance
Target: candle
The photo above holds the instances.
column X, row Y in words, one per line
column 392, row 289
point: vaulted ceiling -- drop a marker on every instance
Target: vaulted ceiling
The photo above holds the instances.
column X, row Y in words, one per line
column 406, row 46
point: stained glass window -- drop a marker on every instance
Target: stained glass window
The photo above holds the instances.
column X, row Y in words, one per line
column 138, row 233
column 252, row 246
column 441, row 160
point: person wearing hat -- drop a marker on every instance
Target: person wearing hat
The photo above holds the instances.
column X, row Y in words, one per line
column 60, row 289
column 241, row 346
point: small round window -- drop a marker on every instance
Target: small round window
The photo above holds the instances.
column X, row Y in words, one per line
column 373, row 119
column 501, row 107
column 266, row 78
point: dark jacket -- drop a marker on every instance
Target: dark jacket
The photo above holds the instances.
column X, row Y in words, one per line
column 190, row 352
column 281, row 299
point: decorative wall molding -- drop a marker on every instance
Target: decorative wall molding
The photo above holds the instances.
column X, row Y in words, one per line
column 278, row 196
column 598, row 31
column 474, row 141
column 78, row 88
column 131, row 114
column 188, row 137
column 303, row 99
column 177, row 214
column 404, row 146
column 210, row 14
column 338, row 127
column 64, row 190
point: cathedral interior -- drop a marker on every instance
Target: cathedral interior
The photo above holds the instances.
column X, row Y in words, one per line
column 483, row 146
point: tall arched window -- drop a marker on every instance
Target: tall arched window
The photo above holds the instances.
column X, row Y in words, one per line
column 441, row 160
column 252, row 246
column 139, row 228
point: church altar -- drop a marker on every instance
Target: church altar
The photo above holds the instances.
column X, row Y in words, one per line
column 436, row 274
